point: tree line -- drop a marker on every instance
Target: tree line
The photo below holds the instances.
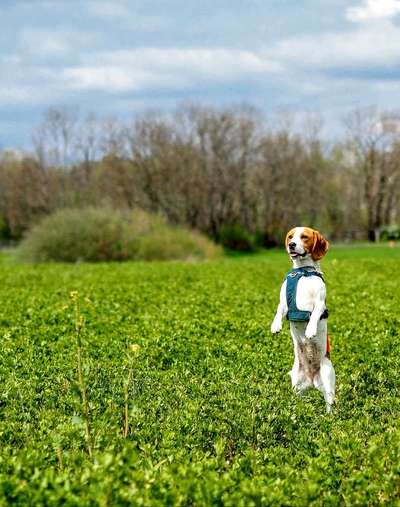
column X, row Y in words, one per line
column 210, row 169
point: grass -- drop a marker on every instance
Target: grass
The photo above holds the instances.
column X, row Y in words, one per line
column 202, row 413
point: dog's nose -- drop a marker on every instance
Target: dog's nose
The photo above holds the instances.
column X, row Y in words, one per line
column 292, row 244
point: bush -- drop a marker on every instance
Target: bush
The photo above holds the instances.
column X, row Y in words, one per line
column 106, row 234
column 235, row 237
column 5, row 231
column 165, row 243
column 390, row 232
column 264, row 240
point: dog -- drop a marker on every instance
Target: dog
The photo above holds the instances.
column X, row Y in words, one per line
column 302, row 302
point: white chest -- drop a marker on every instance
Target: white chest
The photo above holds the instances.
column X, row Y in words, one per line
column 308, row 292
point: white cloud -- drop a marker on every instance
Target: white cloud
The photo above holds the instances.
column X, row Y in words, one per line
column 47, row 42
column 153, row 68
column 389, row 86
column 14, row 95
column 18, row 94
column 137, row 71
column 107, row 78
column 125, row 16
column 367, row 47
column 44, row 43
column 11, row 59
column 108, row 10
column 373, row 10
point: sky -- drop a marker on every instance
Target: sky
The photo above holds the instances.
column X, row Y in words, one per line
column 118, row 58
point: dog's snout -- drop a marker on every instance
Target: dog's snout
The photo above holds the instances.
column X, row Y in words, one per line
column 292, row 244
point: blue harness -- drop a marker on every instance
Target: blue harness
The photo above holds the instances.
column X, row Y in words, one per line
column 292, row 279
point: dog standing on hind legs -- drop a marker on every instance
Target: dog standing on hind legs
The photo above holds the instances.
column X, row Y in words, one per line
column 302, row 302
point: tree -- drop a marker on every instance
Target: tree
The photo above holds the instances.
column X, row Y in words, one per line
column 54, row 140
column 372, row 137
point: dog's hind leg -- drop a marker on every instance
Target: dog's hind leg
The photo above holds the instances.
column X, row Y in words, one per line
column 324, row 379
column 328, row 381
column 300, row 382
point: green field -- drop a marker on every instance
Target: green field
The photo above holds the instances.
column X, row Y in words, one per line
column 211, row 416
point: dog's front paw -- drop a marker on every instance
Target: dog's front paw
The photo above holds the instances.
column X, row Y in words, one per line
column 311, row 331
column 276, row 327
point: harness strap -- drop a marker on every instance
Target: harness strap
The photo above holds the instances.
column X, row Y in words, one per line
column 292, row 279
column 328, row 347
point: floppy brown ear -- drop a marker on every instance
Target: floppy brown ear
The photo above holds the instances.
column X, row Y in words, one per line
column 320, row 246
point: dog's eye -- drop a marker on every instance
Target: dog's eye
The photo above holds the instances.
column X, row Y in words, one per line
column 304, row 237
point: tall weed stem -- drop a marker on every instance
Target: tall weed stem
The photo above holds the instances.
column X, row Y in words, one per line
column 132, row 354
column 81, row 378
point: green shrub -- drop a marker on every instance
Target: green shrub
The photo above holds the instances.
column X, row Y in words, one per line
column 5, row 232
column 106, row 234
column 235, row 237
column 163, row 243
column 264, row 240
column 390, row 232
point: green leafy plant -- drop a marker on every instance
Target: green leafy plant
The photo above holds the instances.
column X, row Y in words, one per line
column 212, row 419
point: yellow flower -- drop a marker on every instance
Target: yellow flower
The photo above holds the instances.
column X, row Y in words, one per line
column 74, row 295
column 134, row 349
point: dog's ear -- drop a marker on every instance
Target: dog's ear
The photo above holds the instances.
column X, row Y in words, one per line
column 320, row 246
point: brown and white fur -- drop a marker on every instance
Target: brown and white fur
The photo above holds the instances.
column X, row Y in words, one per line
column 312, row 366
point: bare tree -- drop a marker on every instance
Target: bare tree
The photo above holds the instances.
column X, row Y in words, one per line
column 54, row 139
column 211, row 168
column 87, row 139
column 372, row 136
column 113, row 138
column 26, row 196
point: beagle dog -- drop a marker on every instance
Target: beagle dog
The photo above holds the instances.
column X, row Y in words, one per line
column 302, row 302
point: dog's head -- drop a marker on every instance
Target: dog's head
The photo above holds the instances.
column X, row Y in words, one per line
column 304, row 241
